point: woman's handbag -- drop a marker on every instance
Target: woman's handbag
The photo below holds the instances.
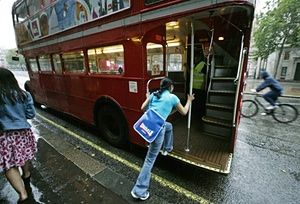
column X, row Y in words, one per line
column 149, row 125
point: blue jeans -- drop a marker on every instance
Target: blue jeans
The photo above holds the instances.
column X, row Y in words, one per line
column 271, row 97
column 163, row 141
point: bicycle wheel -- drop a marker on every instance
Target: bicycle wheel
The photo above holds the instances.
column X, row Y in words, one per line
column 249, row 109
column 285, row 113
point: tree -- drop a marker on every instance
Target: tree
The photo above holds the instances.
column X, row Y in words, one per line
column 277, row 27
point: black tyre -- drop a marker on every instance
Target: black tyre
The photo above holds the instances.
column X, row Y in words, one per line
column 249, row 109
column 112, row 125
column 285, row 113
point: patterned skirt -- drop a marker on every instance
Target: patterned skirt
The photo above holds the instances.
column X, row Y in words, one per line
column 16, row 147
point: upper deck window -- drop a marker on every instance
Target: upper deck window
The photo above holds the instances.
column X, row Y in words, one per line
column 45, row 63
column 107, row 60
column 148, row 2
column 21, row 12
column 74, row 62
column 33, row 6
column 34, row 19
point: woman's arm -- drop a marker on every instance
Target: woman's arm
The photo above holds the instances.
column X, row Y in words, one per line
column 184, row 110
column 29, row 107
column 146, row 102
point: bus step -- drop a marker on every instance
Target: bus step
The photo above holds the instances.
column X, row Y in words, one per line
column 219, row 113
column 218, row 131
column 222, row 92
column 224, row 71
column 216, row 121
column 221, row 97
column 219, row 106
column 223, row 83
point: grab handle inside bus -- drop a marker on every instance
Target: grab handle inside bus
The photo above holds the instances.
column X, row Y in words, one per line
column 152, row 79
column 243, row 53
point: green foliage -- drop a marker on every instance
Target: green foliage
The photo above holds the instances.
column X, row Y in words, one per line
column 277, row 27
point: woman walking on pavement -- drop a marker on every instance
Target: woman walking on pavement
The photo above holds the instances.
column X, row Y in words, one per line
column 17, row 142
column 162, row 101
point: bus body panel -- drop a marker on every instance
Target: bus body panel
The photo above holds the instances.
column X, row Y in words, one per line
column 153, row 47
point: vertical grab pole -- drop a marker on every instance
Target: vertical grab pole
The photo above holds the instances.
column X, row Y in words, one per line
column 187, row 148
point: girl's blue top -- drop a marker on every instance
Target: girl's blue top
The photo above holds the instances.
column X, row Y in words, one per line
column 164, row 104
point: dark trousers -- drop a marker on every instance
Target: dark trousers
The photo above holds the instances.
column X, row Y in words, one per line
column 271, row 97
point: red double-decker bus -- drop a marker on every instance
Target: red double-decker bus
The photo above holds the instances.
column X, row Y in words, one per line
column 96, row 59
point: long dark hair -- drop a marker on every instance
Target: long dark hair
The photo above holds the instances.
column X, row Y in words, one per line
column 9, row 88
column 165, row 84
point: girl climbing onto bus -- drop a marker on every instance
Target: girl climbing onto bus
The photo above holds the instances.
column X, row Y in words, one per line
column 162, row 101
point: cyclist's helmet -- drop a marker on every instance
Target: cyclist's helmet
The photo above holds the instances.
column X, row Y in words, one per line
column 264, row 74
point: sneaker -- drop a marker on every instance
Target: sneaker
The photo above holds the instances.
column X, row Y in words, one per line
column 270, row 107
column 145, row 197
column 164, row 153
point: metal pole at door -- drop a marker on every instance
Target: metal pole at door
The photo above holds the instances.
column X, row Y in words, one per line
column 187, row 148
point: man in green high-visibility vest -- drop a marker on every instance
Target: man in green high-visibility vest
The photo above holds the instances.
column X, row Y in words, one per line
column 199, row 76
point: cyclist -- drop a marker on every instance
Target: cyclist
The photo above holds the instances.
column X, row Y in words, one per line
column 274, row 93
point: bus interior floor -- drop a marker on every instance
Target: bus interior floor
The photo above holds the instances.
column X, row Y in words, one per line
column 203, row 148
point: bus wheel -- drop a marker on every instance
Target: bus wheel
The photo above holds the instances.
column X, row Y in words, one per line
column 112, row 125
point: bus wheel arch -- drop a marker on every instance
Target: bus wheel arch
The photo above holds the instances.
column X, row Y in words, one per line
column 111, row 121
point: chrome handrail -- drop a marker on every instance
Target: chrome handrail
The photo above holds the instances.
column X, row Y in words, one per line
column 152, row 79
column 241, row 60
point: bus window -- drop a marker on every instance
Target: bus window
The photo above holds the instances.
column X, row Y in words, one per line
column 107, row 60
column 45, row 63
column 21, row 12
column 154, row 58
column 33, row 6
column 175, row 62
column 74, row 61
column 33, row 64
column 57, row 63
column 149, row 2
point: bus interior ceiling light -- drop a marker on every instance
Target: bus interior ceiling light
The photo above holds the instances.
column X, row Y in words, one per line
column 136, row 39
column 172, row 25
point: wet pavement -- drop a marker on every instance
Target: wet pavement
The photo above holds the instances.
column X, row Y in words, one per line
column 56, row 179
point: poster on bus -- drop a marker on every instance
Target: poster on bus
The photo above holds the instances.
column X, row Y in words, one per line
column 53, row 16
column 35, row 28
column 100, row 8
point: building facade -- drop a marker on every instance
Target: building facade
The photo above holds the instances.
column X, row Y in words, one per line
column 288, row 68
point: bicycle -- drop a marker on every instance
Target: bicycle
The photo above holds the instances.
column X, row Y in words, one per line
column 283, row 112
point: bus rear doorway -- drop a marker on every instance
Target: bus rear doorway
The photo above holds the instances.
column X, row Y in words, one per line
column 210, row 47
